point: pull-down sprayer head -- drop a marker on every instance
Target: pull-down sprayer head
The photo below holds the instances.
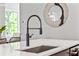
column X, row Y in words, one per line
column 40, row 30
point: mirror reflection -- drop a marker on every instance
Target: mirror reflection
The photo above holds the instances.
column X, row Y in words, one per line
column 55, row 14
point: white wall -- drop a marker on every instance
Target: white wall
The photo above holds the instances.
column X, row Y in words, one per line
column 70, row 30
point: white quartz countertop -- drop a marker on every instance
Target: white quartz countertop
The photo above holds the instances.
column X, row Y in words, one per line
column 13, row 49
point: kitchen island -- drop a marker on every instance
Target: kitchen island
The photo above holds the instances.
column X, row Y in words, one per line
column 14, row 49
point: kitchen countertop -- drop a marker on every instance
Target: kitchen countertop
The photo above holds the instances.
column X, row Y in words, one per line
column 13, row 49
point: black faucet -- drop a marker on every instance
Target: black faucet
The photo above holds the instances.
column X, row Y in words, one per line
column 28, row 36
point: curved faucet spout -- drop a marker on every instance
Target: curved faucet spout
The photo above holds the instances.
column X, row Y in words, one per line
column 27, row 39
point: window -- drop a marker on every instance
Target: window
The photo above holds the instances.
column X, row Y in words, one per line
column 11, row 22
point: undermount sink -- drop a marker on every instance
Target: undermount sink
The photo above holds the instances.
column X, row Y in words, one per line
column 39, row 49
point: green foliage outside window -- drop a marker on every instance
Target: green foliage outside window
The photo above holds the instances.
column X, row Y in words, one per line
column 11, row 22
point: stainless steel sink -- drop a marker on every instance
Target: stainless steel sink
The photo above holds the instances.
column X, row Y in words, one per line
column 39, row 49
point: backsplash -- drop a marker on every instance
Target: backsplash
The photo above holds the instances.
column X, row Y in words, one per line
column 70, row 30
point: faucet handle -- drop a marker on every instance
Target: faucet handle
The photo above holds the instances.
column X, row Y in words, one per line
column 31, row 35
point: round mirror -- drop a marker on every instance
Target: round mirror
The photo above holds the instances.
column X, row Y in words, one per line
column 55, row 14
